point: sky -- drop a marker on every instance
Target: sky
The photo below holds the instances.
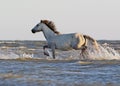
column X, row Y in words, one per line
column 99, row 19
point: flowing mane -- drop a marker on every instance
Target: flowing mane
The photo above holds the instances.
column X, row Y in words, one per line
column 51, row 25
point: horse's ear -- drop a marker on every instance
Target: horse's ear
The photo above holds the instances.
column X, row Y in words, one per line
column 41, row 21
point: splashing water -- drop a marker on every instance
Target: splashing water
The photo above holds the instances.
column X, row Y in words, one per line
column 104, row 53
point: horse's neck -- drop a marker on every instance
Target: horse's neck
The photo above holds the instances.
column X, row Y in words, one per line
column 48, row 33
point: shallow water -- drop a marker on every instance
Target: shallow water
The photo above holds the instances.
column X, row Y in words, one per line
column 23, row 64
column 44, row 72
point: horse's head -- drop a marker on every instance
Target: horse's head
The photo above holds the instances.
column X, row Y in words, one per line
column 37, row 27
column 48, row 23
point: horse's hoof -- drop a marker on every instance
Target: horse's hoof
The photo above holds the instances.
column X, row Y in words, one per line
column 46, row 54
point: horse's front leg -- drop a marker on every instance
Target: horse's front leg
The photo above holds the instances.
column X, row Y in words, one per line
column 46, row 46
column 53, row 50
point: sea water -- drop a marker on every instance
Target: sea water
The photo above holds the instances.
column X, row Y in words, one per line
column 22, row 63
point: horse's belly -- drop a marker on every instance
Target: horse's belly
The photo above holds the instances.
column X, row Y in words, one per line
column 64, row 46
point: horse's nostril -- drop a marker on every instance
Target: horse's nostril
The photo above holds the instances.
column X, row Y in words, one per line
column 33, row 31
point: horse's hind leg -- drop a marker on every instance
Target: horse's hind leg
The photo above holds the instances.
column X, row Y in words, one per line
column 78, row 41
column 84, row 53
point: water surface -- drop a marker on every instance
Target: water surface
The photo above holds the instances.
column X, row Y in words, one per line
column 19, row 68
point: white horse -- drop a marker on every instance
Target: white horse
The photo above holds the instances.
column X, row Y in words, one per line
column 70, row 41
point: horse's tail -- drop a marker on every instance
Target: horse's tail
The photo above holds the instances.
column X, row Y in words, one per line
column 93, row 40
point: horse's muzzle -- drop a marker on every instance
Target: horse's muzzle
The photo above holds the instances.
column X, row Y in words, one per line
column 33, row 31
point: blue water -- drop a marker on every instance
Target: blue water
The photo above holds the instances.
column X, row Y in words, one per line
column 16, row 70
